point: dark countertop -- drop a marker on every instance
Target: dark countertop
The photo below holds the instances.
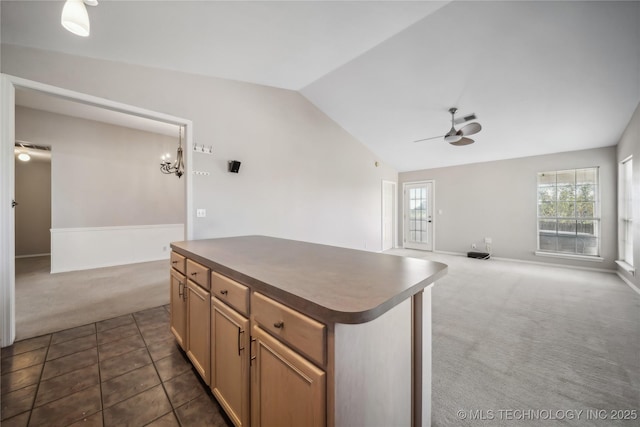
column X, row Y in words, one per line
column 328, row 283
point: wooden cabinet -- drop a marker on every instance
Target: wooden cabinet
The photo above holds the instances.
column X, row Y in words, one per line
column 198, row 328
column 178, row 301
column 286, row 389
column 230, row 360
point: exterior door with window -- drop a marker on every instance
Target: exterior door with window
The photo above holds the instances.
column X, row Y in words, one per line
column 418, row 216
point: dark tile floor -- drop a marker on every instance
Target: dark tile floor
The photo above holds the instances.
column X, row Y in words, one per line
column 125, row 371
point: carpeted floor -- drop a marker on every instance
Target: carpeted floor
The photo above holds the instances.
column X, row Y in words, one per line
column 48, row 303
column 519, row 344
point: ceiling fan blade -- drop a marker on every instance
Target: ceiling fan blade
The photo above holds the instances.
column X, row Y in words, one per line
column 466, row 118
column 463, row 141
column 427, row 139
column 470, row 129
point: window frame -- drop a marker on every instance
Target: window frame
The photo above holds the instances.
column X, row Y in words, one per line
column 625, row 215
column 575, row 217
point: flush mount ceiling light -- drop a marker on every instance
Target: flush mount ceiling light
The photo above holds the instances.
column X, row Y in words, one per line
column 75, row 17
column 24, row 157
column 178, row 166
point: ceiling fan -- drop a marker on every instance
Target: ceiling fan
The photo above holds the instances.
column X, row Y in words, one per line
column 459, row 137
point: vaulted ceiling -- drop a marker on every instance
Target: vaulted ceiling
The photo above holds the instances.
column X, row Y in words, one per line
column 541, row 77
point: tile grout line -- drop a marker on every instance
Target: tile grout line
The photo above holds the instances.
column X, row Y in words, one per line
column 35, row 395
column 153, row 363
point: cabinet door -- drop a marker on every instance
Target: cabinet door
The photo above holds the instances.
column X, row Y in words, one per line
column 230, row 361
column 286, row 389
column 198, row 328
column 179, row 307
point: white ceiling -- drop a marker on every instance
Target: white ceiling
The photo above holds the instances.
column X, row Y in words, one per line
column 542, row 77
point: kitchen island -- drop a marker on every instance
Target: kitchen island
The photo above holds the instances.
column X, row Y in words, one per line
column 294, row 333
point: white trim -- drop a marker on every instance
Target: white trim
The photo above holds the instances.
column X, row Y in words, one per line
column 628, row 282
column 8, row 84
column 626, row 267
column 569, row 256
column 547, row 264
column 112, row 228
column 32, row 255
column 7, row 225
column 394, row 220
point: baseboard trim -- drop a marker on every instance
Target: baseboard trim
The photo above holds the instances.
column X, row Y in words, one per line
column 549, row 264
column 32, row 255
column 628, row 282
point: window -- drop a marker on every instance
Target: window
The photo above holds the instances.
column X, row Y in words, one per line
column 569, row 213
column 625, row 214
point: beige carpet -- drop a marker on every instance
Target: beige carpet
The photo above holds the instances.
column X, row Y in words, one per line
column 52, row 302
column 517, row 344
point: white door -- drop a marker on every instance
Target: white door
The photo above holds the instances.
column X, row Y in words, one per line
column 388, row 214
column 418, row 215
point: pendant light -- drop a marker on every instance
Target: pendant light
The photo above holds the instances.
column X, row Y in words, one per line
column 75, row 17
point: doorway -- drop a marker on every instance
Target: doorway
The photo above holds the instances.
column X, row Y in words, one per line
column 9, row 85
column 418, row 215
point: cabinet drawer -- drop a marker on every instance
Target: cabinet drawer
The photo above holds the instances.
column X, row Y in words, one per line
column 231, row 292
column 198, row 273
column 301, row 332
column 178, row 262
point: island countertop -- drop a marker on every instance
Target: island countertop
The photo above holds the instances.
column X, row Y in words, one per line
column 331, row 284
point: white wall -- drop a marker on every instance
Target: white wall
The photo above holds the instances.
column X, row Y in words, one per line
column 629, row 145
column 499, row 200
column 104, row 175
column 108, row 202
column 302, row 176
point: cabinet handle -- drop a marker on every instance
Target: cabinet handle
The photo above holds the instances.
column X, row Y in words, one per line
column 174, row 262
column 240, row 331
column 251, row 358
column 180, row 288
column 279, row 324
column 194, row 273
column 224, row 292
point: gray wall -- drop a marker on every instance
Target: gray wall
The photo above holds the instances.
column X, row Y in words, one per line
column 104, row 175
column 629, row 145
column 33, row 213
column 302, row 176
column 499, row 200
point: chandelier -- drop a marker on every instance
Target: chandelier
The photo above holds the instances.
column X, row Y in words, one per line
column 178, row 166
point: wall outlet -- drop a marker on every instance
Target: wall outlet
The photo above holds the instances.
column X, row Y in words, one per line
column 473, row 246
column 201, row 213
column 487, row 240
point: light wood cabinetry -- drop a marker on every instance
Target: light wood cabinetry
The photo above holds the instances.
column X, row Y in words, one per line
column 286, row 389
column 230, row 360
column 299, row 331
column 198, row 328
column 289, row 333
column 178, row 301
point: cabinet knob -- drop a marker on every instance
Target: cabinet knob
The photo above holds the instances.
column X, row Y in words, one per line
column 174, row 262
column 194, row 273
column 279, row 324
column 224, row 292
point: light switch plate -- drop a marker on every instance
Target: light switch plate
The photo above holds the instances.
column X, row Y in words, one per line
column 201, row 213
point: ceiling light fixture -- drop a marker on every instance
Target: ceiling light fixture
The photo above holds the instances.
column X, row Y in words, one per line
column 75, row 17
column 178, row 166
column 24, row 157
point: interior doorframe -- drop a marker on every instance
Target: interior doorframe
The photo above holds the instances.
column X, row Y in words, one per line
column 433, row 209
column 394, row 220
column 8, row 86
